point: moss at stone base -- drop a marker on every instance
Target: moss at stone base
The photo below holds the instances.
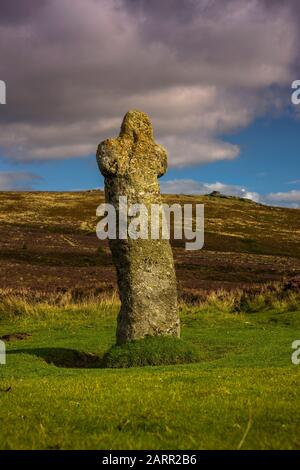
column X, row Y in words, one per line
column 151, row 351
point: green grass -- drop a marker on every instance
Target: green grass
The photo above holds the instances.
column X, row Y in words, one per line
column 151, row 351
column 243, row 392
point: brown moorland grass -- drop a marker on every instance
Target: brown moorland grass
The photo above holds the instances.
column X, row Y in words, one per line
column 48, row 243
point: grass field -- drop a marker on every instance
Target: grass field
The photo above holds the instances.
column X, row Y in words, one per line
column 240, row 310
column 243, row 393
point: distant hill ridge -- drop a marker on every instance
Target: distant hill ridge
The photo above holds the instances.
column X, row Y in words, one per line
column 48, row 242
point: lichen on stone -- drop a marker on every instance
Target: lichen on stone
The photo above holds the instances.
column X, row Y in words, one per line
column 131, row 165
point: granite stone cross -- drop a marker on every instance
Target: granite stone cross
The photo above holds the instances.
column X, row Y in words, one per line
column 131, row 165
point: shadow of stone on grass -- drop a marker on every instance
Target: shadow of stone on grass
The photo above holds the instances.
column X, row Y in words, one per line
column 63, row 357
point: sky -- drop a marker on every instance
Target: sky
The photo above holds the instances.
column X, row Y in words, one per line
column 214, row 76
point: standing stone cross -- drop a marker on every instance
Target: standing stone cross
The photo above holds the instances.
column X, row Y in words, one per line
column 131, row 165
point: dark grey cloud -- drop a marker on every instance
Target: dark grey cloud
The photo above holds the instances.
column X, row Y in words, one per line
column 200, row 68
column 14, row 12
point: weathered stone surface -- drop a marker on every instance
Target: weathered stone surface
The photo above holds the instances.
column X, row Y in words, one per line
column 131, row 164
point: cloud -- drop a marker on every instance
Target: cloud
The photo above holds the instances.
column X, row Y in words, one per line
column 10, row 15
column 73, row 68
column 289, row 196
column 190, row 186
column 193, row 187
column 17, row 180
column 184, row 152
column 294, row 181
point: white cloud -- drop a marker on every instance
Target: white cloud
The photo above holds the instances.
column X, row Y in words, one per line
column 17, row 180
column 289, row 196
column 185, row 152
column 193, row 187
column 294, row 182
column 190, row 186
